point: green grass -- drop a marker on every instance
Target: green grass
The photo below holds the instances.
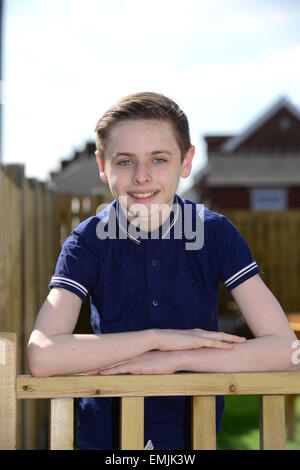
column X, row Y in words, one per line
column 240, row 429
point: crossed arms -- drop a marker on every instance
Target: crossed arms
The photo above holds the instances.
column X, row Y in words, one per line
column 54, row 350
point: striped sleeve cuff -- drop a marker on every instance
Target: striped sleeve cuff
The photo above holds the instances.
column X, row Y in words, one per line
column 69, row 284
column 242, row 275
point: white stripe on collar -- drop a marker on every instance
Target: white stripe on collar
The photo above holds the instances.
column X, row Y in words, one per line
column 163, row 236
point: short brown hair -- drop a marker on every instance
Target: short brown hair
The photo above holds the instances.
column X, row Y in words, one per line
column 144, row 105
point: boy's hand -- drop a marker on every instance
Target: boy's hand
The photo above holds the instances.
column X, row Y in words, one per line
column 168, row 344
column 152, row 362
column 174, row 340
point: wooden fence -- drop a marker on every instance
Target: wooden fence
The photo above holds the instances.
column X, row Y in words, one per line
column 274, row 240
column 27, row 257
column 270, row 386
column 34, row 221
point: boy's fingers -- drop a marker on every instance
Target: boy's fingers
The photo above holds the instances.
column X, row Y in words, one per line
column 224, row 336
column 114, row 370
column 233, row 338
column 91, row 372
column 211, row 343
column 109, row 371
column 115, row 365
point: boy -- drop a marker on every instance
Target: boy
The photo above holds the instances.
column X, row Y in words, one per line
column 153, row 291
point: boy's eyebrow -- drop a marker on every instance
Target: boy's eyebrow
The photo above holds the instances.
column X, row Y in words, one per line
column 128, row 154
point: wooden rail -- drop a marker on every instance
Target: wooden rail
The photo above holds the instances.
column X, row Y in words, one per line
column 270, row 386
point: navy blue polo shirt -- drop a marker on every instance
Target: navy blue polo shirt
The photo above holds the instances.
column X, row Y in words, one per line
column 137, row 282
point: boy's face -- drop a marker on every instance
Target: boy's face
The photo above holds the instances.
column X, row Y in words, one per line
column 142, row 165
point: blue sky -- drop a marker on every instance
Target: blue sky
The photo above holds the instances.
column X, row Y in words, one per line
column 66, row 61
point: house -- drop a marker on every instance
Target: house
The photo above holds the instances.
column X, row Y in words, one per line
column 79, row 175
column 258, row 169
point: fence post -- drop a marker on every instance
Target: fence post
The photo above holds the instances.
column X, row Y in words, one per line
column 204, row 423
column 8, row 399
column 61, row 424
column 132, row 423
column 290, row 409
column 272, row 422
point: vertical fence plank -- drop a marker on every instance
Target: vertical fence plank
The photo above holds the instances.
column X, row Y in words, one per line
column 41, row 287
column 31, row 407
column 290, row 409
column 61, row 424
column 272, row 422
column 12, row 260
column 8, row 399
column 203, row 423
column 132, row 423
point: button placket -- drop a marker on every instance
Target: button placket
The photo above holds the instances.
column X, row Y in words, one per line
column 154, row 287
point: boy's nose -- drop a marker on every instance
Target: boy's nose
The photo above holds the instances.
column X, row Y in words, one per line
column 141, row 174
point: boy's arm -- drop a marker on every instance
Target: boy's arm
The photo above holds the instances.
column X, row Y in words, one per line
column 270, row 353
column 275, row 347
column 54, row 350
column 272, row 349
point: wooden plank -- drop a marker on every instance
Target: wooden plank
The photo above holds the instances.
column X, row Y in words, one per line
column 204, row 423
column 61, row 433
column 40, row 248
column 290, row 408
column 41, row 287
column 285, row 264
column 2, row 222
column 8, row 401
column 132, row 423
column 51, row 229
column 12, row 257
column 32, row 423
column 272, row 422
column 242, row 383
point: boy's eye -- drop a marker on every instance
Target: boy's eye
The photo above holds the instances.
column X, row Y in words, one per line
column 128, row 162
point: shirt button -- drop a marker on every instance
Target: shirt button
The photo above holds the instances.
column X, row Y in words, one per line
column 155, row 303
column 154, row 262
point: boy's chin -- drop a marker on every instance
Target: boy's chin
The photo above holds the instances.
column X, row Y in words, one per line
column 138, row 219
column 143, row 210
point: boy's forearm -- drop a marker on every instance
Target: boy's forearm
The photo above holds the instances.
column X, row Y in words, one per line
column 76, row 353
column 268, row 353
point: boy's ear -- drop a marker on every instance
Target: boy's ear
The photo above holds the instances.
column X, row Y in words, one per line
column 187, row 162
column 100, row 163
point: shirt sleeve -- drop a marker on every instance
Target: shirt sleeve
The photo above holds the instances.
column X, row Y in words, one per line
column 77, row 267
column 233, row 257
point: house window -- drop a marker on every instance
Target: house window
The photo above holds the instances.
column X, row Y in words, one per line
column 269, row 199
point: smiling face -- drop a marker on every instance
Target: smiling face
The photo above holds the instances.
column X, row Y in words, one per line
column 142, row 166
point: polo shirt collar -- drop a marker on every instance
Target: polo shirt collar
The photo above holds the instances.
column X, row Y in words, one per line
column 163, row 229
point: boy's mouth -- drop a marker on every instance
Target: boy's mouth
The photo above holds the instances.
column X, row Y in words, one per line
column 143, row 196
